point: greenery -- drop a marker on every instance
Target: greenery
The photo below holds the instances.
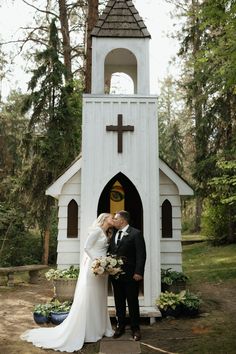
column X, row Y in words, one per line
column 43, row 309
column 203, row 262
column 207, row 57
column 53, row 306
column 219, row 218
column 57, row 306
column 54, row 274
column 169, row 300
column 190, row 300
column 169, row 276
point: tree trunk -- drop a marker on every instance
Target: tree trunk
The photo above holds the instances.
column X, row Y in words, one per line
column 92, row 17
column 198, row 214
column 46, row 246
column 66, row 38
column 46, row 236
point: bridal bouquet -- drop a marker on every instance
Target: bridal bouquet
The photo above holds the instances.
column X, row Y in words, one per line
column 109, row 264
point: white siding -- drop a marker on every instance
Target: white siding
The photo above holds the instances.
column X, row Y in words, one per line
column 138, row 162
column 68, row 250
column 171, row 249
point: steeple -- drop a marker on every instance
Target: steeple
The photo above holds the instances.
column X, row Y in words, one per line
column 120, row 44
column 120, row 19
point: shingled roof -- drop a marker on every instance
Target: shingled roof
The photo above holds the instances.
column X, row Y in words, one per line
column 120, row 19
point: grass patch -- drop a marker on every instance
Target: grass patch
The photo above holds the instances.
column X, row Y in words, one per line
column 202, row 262
column 193, row 237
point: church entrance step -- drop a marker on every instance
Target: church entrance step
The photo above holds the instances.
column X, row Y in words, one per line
column 123, row 345
column 145, row 312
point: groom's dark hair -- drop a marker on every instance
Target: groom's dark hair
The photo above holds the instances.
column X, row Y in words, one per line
column 124, row 214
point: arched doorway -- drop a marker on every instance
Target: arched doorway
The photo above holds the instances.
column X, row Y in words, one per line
column 121, row 190
column 131, row 199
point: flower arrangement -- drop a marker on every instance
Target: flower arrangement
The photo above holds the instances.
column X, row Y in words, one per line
column 54, row 274
column 109, row 264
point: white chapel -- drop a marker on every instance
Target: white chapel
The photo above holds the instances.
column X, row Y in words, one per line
column 119, row 167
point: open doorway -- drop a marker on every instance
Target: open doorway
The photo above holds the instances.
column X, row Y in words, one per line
column 121, row 194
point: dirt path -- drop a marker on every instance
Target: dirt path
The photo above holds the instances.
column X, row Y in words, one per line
column 212, row 332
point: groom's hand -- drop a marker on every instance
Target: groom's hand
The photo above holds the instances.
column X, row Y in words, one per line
column 137, row 277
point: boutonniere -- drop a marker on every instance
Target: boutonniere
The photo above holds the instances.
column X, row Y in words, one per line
column 125, row 233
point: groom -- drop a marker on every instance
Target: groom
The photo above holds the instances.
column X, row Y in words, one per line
column 127, row 242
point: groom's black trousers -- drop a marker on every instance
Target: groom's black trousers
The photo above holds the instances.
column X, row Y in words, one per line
column 126, row 290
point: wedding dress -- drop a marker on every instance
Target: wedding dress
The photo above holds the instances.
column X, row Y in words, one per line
column 88, row 320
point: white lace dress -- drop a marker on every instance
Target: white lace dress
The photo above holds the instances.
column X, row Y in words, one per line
column 88, row 320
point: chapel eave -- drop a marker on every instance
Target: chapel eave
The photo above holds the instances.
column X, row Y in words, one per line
column 55, row 188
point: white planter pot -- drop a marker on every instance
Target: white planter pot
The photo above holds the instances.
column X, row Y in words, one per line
column 64, row 289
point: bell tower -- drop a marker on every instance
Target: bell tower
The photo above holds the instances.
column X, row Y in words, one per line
column 120, row 136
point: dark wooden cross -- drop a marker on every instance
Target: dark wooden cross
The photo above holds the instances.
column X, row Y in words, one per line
column 120, row 129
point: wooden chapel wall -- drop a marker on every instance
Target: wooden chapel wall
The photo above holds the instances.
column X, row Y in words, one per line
column 171, row 248
column 68, row 249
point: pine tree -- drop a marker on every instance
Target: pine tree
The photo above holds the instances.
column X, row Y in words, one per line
column 53, row 137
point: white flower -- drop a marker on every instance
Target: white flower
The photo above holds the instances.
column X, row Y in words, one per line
column 113, row 262
column 100, row 270
column 103, row 262
column 114, row 271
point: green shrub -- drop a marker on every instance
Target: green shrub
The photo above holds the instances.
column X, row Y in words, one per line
column 170, row 277
column 190, row 300
column 54, row 274
column 215, row 222
column 169, row 300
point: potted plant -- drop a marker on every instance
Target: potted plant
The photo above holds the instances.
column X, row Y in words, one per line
column 190, row 303
column 64, row 281
column 41, row 313
column 172, row 280
column 169, row 303
column 59, row 311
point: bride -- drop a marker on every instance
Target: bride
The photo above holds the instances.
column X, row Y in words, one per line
column 88, row 320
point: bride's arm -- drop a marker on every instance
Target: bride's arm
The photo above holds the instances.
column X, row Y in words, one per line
column 90, row 242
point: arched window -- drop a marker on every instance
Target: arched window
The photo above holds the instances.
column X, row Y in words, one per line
column 166, row 221
column 72, row 219
column 121, row 83
column 120, row 72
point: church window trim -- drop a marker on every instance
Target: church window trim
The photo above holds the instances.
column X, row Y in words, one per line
column 167, row 219
column 72, row 219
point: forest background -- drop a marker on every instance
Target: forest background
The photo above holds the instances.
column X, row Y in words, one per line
column 40, row 131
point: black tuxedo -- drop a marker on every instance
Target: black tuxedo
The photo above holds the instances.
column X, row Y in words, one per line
column 132, row 248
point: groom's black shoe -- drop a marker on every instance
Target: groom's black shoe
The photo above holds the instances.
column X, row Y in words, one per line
column 136, row 334
column 118, row 332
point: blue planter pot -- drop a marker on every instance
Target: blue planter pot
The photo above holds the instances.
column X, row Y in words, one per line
column 188, row 311
column 40, row 319
column 58, row 317
column 171, row 312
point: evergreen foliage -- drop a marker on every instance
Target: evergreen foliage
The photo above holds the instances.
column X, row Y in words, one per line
column 169, row 119
column 53, row 137
column 219, row 222
column 209, row 61
column 35, row 150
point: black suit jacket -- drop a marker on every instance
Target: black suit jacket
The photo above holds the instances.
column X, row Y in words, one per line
column 132, row 248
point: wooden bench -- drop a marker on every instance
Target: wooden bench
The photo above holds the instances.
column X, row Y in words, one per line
column 32, row 269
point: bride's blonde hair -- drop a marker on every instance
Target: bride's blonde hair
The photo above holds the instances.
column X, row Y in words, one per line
column 100, row 220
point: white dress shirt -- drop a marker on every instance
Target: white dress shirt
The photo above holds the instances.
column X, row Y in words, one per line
column 123, row 230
